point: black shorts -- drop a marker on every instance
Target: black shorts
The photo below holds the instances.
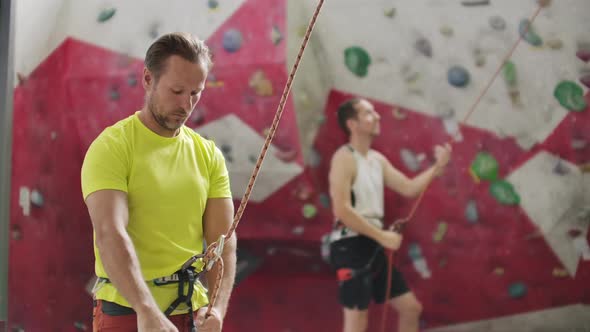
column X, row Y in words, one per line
column 356, row 253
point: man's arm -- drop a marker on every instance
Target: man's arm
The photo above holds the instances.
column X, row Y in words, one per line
column 410, row 188
column 217, row 220
column 342, row 173
column 109, row 214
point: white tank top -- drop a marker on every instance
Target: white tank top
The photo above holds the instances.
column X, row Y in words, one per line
column 367, row 188
column 367, row 193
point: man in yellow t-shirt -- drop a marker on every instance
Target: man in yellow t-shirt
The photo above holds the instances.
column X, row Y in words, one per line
column 157, row 192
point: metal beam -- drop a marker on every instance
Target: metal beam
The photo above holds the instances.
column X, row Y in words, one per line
column 6, row 94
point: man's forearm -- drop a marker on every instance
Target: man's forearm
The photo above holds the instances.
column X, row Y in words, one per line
column 421, row 181
column 229, row 273
column 357, row 223
column 122, row 266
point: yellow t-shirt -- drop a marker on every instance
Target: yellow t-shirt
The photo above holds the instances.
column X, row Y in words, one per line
column 168, row 182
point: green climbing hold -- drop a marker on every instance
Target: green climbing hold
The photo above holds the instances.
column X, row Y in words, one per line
column 485, row 167
column 440, row 232
column 106, row 14
column 309, row 211
column 510, row 73
column 517, row 289
column 528, row 33
column 357, row 60
column 504, row 192
column 571, row 96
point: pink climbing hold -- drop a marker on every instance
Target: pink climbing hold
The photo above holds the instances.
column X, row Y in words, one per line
column 583, row 55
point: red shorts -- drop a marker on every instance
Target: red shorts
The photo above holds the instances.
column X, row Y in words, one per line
column 102, row 322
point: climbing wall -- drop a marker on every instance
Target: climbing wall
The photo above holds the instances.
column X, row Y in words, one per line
column 503, row 235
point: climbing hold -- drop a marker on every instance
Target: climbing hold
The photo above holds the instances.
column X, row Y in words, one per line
column 266, row 131
column 80, row 326
column 298, row 230
column 571, row 96
column 132, row 79
column 154, row 30
column 106, row 14
column 303, row 191
column 585, row 80
column 504, row 192
column 480, row 60
column 497, row 23
column 357, row 60
column 275, row 35
column 423, row 46
column 440, row 232
column 390, row 12
column 37, row 198
column 410, row 160
column 398, row 114
column 227, row 152
column 16, row 232
column 314, row 158
column 554, row 44
column 418, row 260
column 574, row 233
column 261, row 84
column 252, row 158
column 475, row 2
column 232, row 40
column 309, row 211
column 560, row 273
column 485, row 167
column 578, row 143
column 560, row 168
column 414, row 251
column 198, row 116
column 509, row 72
column 286, row 155
column 499, row 271
column 301, row 30
column 544, row 3
column 583, row 55
column 21, row 78
column 529, row 35
column 447, row 31
column 213, row 82
column 324, row 200
column 471, row 213
column 114, row 94
column 213, row 4
column 517, row 290
column 458, row 76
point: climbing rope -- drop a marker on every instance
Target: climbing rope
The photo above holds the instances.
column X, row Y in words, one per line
column 213, row 253
column 399, row 224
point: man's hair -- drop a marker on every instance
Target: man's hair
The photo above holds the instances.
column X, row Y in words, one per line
column 178, row 43
column 347, row 111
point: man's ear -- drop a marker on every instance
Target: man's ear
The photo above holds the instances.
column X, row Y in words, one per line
column 148, row 79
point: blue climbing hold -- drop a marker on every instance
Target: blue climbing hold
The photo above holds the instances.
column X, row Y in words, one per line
column 232, row 40
column 458, row 76
column 213, row 4
column 324, row 200
column 414, row 251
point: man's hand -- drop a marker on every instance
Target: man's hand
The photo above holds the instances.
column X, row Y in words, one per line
column 390, row 240
column 154, row 321
column 211, row 323
column 442, row 154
